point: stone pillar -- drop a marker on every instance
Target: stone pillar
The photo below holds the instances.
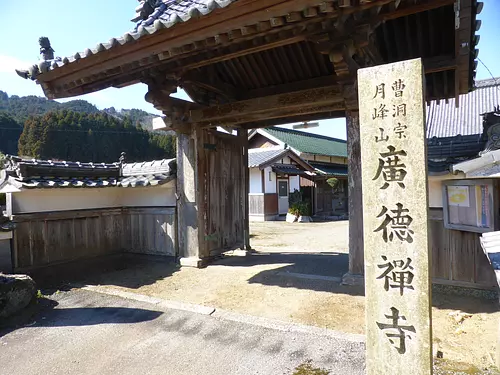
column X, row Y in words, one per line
column 395, row 209
column 355, row 202
column 188, row 200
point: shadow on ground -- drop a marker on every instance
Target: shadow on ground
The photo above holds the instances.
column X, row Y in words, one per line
column 466, row 303
column 46, row 313
column 125, row 270
column 313, row 271
column 285, row 277
column 87, row 316
column 307, row 271
column 323, row 264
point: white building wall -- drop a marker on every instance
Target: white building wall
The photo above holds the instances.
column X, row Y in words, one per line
column 255, row 181
column 270, row 182
column 45, row 200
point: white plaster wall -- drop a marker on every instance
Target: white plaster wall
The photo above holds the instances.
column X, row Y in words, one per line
column 255, row 180
column 294, row 183
column 270, row 185
column 287, row 160
column 161, row 196
column 44, row 200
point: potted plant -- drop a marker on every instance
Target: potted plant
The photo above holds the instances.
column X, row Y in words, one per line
column 298, row 210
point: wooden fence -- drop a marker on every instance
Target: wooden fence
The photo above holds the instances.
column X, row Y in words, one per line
column 457, row 256
column 53, row 237
column 263, row 204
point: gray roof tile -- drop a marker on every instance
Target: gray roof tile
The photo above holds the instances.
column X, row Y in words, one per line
column 33, row 174
column 258, row 157
column 445, row 120
column 148, row 167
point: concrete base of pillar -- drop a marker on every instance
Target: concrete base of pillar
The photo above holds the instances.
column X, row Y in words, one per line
column 353, row 280
column 240, row 252
column 192, row 262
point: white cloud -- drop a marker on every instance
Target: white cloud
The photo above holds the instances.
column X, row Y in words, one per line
column 8, row 64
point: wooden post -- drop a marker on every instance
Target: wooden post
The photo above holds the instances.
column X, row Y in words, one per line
column 187, row 200
column 355, row 201
column 243, row 135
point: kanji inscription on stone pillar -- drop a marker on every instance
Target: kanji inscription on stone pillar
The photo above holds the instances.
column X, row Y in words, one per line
column 395, row 201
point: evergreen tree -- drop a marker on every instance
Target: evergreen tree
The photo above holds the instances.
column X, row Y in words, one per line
column 10, row 130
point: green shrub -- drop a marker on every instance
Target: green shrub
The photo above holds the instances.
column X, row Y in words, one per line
column 295, row 197
column 333, row 182
column 299, row 209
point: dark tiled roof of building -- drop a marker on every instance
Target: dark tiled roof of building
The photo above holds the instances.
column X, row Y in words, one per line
column 309, row 143
column 445, row 120
column 334, row 170
column 62, row 174
column 258, row 156
column 166, row 15
column 288, row 169
column 468, row 146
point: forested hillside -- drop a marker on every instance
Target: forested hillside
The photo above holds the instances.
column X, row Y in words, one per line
column 68, row 135
column 22, row 107
column 36, row 127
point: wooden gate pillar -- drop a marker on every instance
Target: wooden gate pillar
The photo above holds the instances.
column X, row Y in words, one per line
column 189, row 197
column 355, row 199
column 243, row 135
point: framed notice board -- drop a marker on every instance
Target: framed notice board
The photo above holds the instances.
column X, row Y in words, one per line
column 470, row 205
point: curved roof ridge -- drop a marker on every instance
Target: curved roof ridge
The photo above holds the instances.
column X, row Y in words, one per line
column 488, row 82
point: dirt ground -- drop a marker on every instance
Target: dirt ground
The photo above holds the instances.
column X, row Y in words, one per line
column 300, row 237
column 276, row 282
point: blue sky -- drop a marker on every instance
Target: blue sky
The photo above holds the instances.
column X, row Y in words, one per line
column 73, row 26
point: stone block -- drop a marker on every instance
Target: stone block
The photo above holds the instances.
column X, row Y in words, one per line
column 192, row 262
column 16, row 293
column 305, row 219
column 351, row 279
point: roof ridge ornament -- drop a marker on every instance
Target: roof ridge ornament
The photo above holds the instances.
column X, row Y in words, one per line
column 491, row 127
column 145, row 9
column 46, row 60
